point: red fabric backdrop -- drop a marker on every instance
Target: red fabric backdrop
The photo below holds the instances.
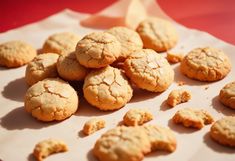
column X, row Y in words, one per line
column 214, row 16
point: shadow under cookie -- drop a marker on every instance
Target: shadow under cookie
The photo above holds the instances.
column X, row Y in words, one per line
column 90, row 156
column 15, row 90
column 179, row 128
column 140, row 95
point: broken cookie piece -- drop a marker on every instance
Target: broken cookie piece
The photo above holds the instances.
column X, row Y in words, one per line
column 174, row 57
column 93, row 125
column 178, row 96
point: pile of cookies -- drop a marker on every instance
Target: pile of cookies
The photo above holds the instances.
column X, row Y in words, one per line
column 110, row 64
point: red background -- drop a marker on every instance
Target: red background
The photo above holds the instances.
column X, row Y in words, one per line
column 214, row 16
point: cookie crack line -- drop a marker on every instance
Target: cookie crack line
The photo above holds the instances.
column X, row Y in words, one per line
column 53, row 93
column 155, row 33
column 103, row 41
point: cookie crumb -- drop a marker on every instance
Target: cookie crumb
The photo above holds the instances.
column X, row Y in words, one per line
column 181, row 83
column 93, row 125
column 173, row 57
column 206, row 88
column 178, row 96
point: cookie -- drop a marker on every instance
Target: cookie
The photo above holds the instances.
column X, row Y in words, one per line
column 206, row 64
column 135, row 117
column 178, row 96
column 107, row 88
column 98, row 49
column 195, row 118
column 223, row 131
column 161, row 138
column 69, row 68
column 16, row 53
column 129, row 39
column 122, row 144
column 174, row 57
column 93, row 125
column 60, row 42
column 41, row 67
column 51, row 99
column 149, row 70
column 157, row 34
column 227, row 95
column 47, row 147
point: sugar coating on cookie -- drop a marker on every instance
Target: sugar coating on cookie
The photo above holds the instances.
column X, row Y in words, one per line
column 69, row 68
column 51, row 99
column 122, row 144
column 97, row 50
column 107, row 88
column 157, row 34
column 41, row 67
column 223, row 131
column 47, row 147
column 149, row 70
column 135, row 117
column 178, row 96
column 190, row 117
column 93, row 125
column 60, row 42
column 206, row 64
column 227, row 95
column 16, row 53
column 129, row 39
column 173, row 57
column 161, row 138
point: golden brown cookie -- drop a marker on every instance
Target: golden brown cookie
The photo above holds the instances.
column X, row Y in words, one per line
column 16, row 53
column 69, row 68
column 227, row 95
column 51, row 99
column 97, row 50
column 206, row 64
column 93, row 125
column 47, row 147
column 122, row 144
column 178, row 96
column 174, row 57
column 190, row 117
column 149, row 70
column 135, row 117
column 161, row 138
column 157, row 34
column 223, row 131
column 129, row 39
column 41, row 67
column 107, row 88
column 60, row 42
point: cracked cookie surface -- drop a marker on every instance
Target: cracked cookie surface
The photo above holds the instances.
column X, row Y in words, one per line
column 16, row 53
column 60, row 42
column 122, row 144
column 206, row 64
column 157, row 34
column 41, row 67
column 51, row 99
column 97, row 50
column 107, row 88
column 190, row 117
column 93, row 125
column 223, row 131
column 129, row 39
column 69, row 68
column 135, row 117
column 47, row 147
column 149, row 70
column 178, row 96
column 227, row 95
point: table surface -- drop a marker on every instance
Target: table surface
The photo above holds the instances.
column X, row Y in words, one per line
column 213, row 16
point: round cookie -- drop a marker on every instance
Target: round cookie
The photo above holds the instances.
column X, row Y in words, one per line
column 157, row 34
column 205, row 64
column 129, row 39
column 69, row 68
column 16, row 53
column 41, row 67
column 107, row 88
column 60, row 42
column 223, row 131
column 149, row 70
column 51, row 99
column 227, row 95
column 122, row 144
column 97, row 50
